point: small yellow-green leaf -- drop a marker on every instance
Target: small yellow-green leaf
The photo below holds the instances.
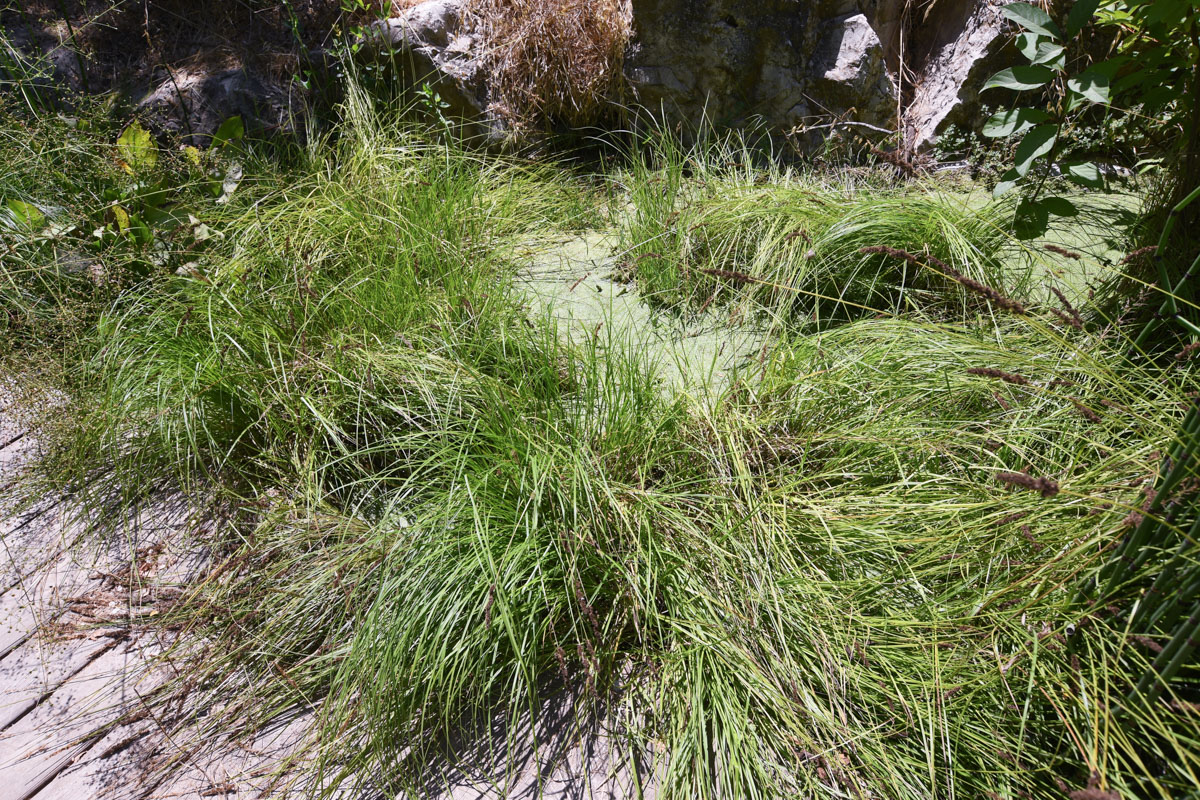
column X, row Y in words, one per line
column 137, row 149
column 121, row 218
column 26, row 214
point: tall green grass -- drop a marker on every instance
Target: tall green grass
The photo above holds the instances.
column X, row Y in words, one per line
column 830, row 580
column 707, row 225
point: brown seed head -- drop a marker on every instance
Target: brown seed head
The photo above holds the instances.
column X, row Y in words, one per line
column 736, row 277
column 1075, row 321
column 1007, row 377
column 1046, row 486
column 1148, row 643
column 1064, row 252
column 1141, row 251
column 1093, row 794
column 1188, row 351
column 1088, row 414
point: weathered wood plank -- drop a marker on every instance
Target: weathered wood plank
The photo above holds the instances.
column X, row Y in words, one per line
column 34, row 603
column 39, row 667
column 29, row 541
column 239, row 769
column 44, row 742
column 58, row 696
column 113, row 768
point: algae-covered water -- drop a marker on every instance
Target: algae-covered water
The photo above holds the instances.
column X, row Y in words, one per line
column 575, row 281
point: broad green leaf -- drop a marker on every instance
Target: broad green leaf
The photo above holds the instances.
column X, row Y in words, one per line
column 1081, row 14
column 140, row 232
column 1032, row 18
column 231, row 130
column 137, row 149
column 26, row 214
column 152, row 195
column 1092, row 85
column 1172, row 12
column 1060, row 207
column 1014, row 122
column 1007, row 182
column 1031, row 220
column 1052, row 55
column 1028, row 43
column 1037, row 143
column 1087, row 174
column 1020, row 78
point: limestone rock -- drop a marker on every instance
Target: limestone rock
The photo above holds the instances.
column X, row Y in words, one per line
column 433, row 43
column 783, row 64
column 965, row 48
column 848, row 70
column 192, row 102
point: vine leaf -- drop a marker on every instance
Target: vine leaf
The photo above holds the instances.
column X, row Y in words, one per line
column 1007, row 181
column 1020, row 78
column 1031, row 18
column 1052, row 55
column 1081, row 14
column 1036, row 143
column 1091, row 85
column 1028, row 43
column 1014, row 122
column 231, row 130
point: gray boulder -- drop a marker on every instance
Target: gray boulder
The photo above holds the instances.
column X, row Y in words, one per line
column 432, row 43
column 782, row 64
column 192, row 102
column 965, row 46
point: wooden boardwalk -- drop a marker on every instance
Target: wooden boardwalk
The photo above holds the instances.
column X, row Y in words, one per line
column 75, row 660
column 77, row 657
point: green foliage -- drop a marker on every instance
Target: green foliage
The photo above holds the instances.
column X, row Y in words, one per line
column 1040, row 129
column 824, row 577
column 1156, row 67
column 87, row 210
column 788, row 246
column 1157, row 59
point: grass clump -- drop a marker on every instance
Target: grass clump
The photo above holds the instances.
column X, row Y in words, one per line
column 706, row 227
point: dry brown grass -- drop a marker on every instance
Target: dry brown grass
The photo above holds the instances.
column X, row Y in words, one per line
column 553, row 59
